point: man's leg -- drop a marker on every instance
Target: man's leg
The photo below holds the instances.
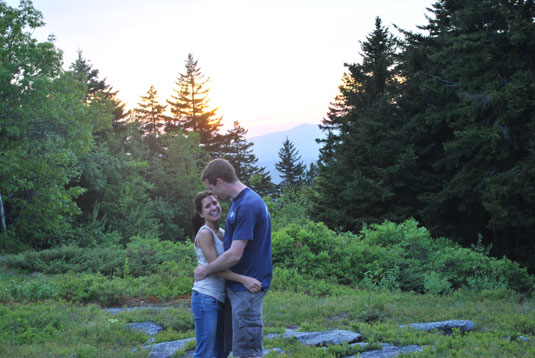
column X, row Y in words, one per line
column 247, row 326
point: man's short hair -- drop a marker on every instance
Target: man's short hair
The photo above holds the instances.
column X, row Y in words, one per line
column 219, row 168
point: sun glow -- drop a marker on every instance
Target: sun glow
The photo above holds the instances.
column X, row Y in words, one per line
column 272, row 64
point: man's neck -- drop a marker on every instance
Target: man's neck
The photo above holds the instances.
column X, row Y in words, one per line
column 236, row 188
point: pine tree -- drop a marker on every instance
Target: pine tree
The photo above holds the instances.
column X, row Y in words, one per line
column 99, row 92
column 85, row 72
column 362, row 159
column 470, row 114
column 190, row 107
column 116, row 197
column 239, row 152
column 290, row 165
column 151, row 114
column 311, row 173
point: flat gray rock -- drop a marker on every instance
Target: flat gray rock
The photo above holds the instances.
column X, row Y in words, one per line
column 264, row 352
column 149, row 328
column 166, row 349
column 445, row 326
column 389, row 350
column 128, row 309
column 319, row 338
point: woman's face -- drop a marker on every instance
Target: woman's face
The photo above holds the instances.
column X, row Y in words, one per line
column 211, row 211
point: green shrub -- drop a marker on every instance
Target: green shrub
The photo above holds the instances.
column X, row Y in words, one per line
column 289, row 207
column 29, row 290
column 390, row 256
column 141, row 257
column 317, row 252
column 145, row 256
column 69, row 258
column 435, row 284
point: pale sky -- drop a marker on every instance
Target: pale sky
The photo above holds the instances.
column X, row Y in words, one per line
column 272, row 64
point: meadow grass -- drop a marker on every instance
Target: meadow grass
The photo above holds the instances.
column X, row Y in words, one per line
column 40, row 322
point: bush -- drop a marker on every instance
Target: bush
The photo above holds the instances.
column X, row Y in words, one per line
column 140, row 257
column 317, row 252
column 392, row 256
column 69, row 258
column 145, row 256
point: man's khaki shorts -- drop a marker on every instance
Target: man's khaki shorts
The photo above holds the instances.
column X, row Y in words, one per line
column 247, row 332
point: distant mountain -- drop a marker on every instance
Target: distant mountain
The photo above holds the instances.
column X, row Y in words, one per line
column 266, row 147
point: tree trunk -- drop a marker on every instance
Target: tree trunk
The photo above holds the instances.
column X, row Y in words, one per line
column 2, row 217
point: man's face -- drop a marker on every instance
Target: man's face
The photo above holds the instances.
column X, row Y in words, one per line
column 218, row 189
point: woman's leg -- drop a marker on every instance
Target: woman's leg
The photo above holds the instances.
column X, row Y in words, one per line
column 205, row 315
column 223, row 345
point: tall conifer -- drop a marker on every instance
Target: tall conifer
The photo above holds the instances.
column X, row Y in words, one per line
column 150, row 113
column 363, row 154
column 290, row 165
column 471, row 118
column 239, row 152
column 190, row 107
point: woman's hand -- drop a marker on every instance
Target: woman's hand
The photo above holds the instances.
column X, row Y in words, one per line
column 251, row 284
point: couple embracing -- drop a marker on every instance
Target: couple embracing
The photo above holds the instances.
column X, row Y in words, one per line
column 234, row 269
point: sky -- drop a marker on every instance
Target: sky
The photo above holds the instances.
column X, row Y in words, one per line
column 272, row 64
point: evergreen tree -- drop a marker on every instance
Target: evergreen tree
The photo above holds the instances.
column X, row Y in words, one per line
column 190, row 107
column 470, row 118
column 151, row 114
column 363, row 156
column 116, row 201
column 290, row 165
column 311, row 173
column 238, row 151
column 174, row 175
column 101, row 94
column 84, row 71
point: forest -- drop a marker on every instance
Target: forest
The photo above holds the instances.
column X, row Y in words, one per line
column 436, row 125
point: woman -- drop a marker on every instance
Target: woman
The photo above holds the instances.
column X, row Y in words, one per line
column 208, row 295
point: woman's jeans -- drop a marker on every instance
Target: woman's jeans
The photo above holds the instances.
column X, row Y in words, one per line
column 209, row 332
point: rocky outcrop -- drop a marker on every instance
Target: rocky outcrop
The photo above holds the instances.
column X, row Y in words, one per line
column 320, row 339
column 149, row 328
column 388, row 350
column 166, row 349
column 325, row 338
column 128, row 309
column 444, row 326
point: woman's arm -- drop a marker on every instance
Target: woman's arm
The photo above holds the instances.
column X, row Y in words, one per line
column 250, row 283
column 205, row 241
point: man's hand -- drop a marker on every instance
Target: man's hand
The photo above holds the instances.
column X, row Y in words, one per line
column 200, row 273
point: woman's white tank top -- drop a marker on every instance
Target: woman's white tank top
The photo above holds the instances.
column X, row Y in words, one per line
column 212, row 285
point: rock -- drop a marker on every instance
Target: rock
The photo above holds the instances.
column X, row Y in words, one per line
column 518, row 339
column 128, row 309
column 445, row 326
column 389, row 351
column 166, row 349
column 264, row 352
column 149, row 328
column 319, row 338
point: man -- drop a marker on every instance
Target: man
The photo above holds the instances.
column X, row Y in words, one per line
column 247, row 245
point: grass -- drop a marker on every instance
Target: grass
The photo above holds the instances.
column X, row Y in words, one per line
column 62, row 316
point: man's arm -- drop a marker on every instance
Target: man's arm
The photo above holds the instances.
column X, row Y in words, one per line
column 228, row 259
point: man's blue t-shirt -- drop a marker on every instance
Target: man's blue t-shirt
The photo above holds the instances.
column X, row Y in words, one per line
column 248, row 219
